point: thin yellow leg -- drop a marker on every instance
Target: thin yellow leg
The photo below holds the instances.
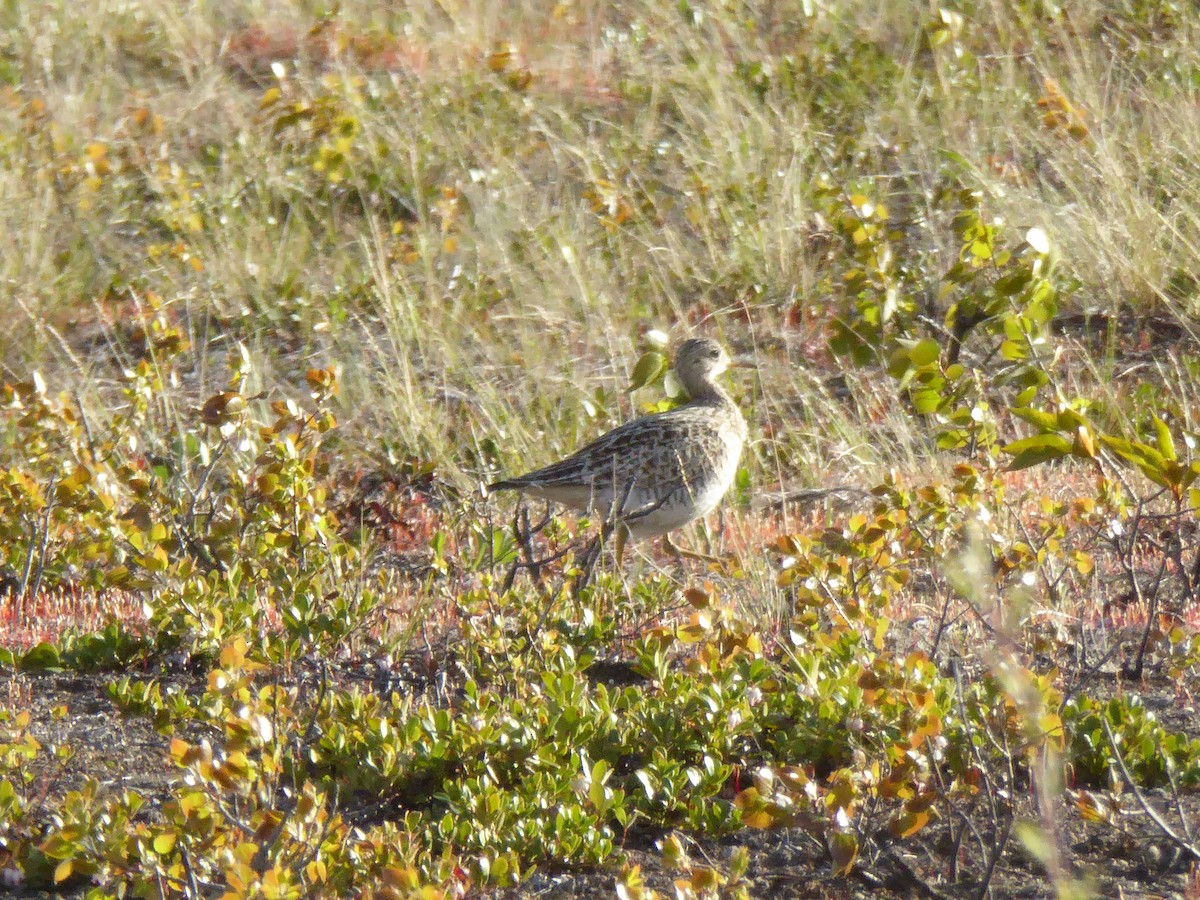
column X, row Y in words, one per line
column 680, row 553
column 687, row 554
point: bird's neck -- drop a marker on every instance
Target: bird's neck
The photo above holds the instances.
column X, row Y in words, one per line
column 705, row 390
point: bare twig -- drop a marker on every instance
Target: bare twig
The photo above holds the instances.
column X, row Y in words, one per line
column 1092, row 670
column 1184, row 845
column 193, row 887
column 985, row 885
column 42, row 544
column 914, row 877
column 1170, row 770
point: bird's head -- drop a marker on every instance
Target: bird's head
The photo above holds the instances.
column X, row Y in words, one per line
column 697, row 362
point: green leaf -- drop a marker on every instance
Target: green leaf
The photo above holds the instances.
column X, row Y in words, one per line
column 1013, row 284
column 648, row 369
column 1148, row 461
column 596, row 789
column 1166, row 444
column 1013, row 351
column 739, row 863
column 1039, row 418
column 1141, row 455
column 1040, row 448
column 1069, row 420
column 925, row 352
column 43, row 656
column 967, row 224
column 899, row 365
column 926, row 402
column 1191, row 474
column 957, row 158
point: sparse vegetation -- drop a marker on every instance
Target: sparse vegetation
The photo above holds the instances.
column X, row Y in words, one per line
column 285, row 285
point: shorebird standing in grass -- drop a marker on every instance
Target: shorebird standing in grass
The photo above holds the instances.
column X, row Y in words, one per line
column 657, row 473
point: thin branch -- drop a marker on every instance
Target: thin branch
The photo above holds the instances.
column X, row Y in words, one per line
column 1186, row 846
column 985, row 886
column 914, row 877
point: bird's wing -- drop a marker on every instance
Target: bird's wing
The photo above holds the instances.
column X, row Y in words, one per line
column 610, row 455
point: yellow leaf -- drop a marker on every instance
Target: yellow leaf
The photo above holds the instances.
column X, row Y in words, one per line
column 500, row 60
column 233, row 654
column 1084, row 446
column 909, row 823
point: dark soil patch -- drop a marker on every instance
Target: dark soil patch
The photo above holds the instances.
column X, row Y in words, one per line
column 73, row 710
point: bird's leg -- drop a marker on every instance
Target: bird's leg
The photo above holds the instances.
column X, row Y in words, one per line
column 622, row 537
column 614, row 521
column 591, row 556
column 680, row 553
column 722, row 561
column 621, row 540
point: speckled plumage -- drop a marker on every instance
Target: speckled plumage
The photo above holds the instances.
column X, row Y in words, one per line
column 659, row 472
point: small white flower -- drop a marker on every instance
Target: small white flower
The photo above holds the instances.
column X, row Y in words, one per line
column 581, row 785
column 657, row 339
column 1038, row 240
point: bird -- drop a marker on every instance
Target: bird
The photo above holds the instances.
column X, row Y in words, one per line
column 656, row 473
